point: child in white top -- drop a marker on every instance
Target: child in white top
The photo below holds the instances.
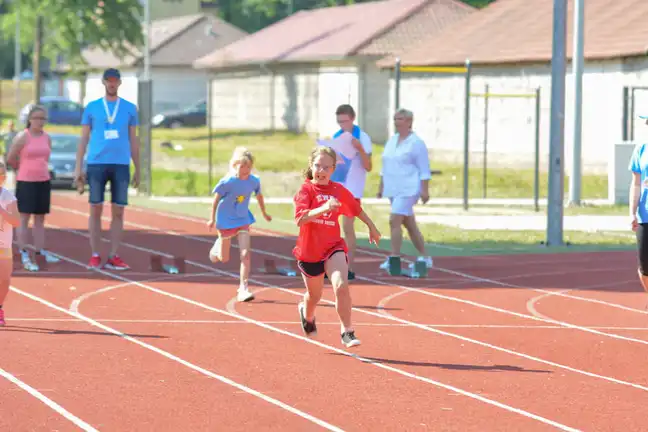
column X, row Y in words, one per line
column 9, row 218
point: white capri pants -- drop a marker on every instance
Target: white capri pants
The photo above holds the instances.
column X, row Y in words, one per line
column 403, row 205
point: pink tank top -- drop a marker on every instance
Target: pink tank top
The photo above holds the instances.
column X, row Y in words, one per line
column 34, row 159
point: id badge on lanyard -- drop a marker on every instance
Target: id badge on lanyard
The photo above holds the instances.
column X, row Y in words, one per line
column 111, row 134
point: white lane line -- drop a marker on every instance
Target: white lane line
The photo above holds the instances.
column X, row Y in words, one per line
column 74, row 306
column 47, row 401
column 475, row 396
column 391, row 318
column 172, row 357
column 381, row 255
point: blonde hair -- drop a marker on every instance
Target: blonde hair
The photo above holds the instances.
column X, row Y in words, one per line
column 240, row 156
column 317, row 151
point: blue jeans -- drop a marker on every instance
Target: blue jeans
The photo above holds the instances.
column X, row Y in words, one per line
column 118, row 176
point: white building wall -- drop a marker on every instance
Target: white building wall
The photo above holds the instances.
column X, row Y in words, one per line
column 438, row 105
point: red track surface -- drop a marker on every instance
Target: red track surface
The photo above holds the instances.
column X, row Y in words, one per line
column 533, row 342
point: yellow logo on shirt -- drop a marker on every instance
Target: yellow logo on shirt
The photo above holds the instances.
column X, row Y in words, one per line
column 240, row 198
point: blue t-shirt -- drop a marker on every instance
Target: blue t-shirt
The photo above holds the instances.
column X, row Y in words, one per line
column 109, row 143
column 233, row 209
column 639, row 164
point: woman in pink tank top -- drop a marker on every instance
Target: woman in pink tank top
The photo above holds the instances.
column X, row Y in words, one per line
column 30, row 155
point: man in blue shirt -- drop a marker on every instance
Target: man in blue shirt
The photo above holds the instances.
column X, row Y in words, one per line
column 109, row 133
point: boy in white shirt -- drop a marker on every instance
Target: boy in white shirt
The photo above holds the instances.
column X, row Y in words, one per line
column 353, row 173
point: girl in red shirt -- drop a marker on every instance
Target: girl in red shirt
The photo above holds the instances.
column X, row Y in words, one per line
column 320, row 249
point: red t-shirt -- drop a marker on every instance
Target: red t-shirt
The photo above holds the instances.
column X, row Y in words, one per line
column 320, row 237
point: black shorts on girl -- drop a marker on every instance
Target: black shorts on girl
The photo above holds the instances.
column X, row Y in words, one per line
column 33, row 197
column 642, row 246
column 315, row 269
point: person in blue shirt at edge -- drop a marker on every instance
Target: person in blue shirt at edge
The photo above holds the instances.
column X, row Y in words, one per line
column 109, row 133
column 352, row 174
column 639, row 205
column 231, row 215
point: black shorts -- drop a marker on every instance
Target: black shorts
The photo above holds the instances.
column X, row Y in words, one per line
column 315, row 269
column 642, row 246
column 34, row 197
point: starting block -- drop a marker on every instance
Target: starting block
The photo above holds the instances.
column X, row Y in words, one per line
column 270, row 267
column 158, row 266
column 420, row 270
column 41, row 261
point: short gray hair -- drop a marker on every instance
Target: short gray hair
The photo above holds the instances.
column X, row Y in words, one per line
column 409, row 115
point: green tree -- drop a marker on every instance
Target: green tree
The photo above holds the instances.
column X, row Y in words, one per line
column 69, row 26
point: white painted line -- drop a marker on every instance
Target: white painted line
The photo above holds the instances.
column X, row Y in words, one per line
column 411, row 289
column 371, row 253
column 47, row 401
column 380, row 282
column 172, row 357
column 335, row 323
column 287, row 333
column 530, row 305
column 74, row 306
column 392, row 318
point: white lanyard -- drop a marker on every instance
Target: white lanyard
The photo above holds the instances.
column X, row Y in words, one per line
column 111, row 118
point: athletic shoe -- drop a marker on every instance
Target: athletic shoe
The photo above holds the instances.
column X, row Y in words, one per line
column 385, row 264
column 349, row 340
column 95, row 261
column 51, row 259
column 309, row 328
column 2, row 318
column 244, row 294
column 27, row 262
column 116, row 263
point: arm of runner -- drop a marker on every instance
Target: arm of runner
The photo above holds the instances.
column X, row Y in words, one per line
column 635, row 184
column 303, row 212
column 635, row 188
column 212, row 217
column 11, row 214
column 16, row 147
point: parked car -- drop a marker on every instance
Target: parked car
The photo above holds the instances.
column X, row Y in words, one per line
column 63, row 159
column 60, row 110
column 194, row 115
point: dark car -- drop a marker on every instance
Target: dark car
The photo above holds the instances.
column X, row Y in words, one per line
column 63, row 159
column 60, row 110
column 194, row 115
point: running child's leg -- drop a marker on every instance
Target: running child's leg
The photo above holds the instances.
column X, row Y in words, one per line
column 23, row 241
column 314, row 286
column 220, row 250
column 6, row 268
column 244, row 249
column 244, row 293
column 337, row 269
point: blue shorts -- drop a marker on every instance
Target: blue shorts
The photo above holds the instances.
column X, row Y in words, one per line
column 118, row 176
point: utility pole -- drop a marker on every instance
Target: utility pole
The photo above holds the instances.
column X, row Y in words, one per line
column 557, row 126
column 578, row 61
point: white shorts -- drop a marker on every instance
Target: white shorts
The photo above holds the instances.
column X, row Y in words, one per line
column 403, row 206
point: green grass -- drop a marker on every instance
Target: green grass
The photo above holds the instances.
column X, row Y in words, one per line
column 281, row 156
column 441, row 240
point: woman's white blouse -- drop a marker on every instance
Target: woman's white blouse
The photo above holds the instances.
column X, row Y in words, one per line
column 404, row 166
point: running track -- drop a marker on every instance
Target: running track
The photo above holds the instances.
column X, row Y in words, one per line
column 528, row 342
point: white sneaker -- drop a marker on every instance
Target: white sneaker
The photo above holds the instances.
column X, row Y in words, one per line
column 27, row 262
column 244, row 294
column 385, row 265
column 50, row 258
